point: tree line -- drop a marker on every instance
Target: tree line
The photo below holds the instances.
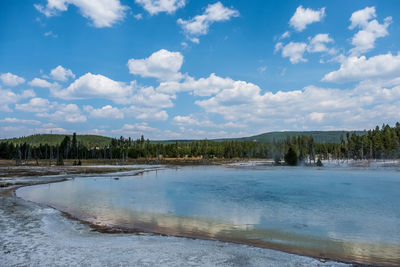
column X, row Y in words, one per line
column 379, row 143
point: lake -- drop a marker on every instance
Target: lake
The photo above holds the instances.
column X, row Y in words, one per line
column 345, row 214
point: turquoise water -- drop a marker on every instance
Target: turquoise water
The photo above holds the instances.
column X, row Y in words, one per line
column 349, row 214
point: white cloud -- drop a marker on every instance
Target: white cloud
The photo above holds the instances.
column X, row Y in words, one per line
column 102, row 13
column 8, row 97
column 65, row 112
column 284, row 35
column 135, row 129
column 160, row 115
column 163, row 65
column 146, row 113
column 101, row 87
column 96, row 86
column 200, row 24
column 318, row 43
column 37, row 82
column 147, row 96
column 370, row 30
column 361, row 17
column 10, row 79
column 201, row 87
column 53, row 130
column 53, row 110
column 262, row 69
column 361, row 68
column 317, row 116
column 192, row 120
column 51, row 34
column 186, row 120
column 310, row 108
column 61, row 74
column 138, row 16
column 12, row 131
column 156, row 6
column 95, row 132
column 15, row 120
column 278, row 47
column 294, row 51
column 305, row 16
column 36, row 105
column 107, row 111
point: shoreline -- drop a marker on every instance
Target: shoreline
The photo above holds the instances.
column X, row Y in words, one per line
column 38, row 236
column 104, row 229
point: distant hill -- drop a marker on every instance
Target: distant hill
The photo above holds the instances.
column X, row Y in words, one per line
column 54, row 139
column 319, row 136
column 97, row 140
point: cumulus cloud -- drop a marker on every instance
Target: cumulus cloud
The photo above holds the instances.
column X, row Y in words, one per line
column 107, row 111
column 102, row 13
column 361, row 68
column 201, row 87
column 191, row 120
column 61, row 74
column 10, row 79
column 200, row 24
column 361, row 17
column 294, row 51
column 156, row 6
column 91, row 86
column 157, row 115
column 24, row 130
column 22, row 121
column 163, row 65
column 147, row 96
column 17, row 131
column 53, row 130
column 135, row 129
column 37, row 82
column 305, row 16
column 146, row 113
column 8, row 97
column 66, row 113
column 370, row 30
column 95, row 86
column 310, row 107
column 35, row 105
column 186, row 120
column 318, row 43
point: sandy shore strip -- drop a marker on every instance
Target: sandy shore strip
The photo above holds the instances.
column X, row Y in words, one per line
column 34, row 235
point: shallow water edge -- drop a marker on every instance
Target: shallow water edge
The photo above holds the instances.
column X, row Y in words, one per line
column 166, row 229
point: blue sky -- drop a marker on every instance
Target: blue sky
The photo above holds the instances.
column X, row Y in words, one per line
column 197, row 69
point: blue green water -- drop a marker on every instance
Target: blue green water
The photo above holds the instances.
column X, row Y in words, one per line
column 350, row 214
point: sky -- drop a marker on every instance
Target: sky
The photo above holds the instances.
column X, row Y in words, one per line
column 185, row 69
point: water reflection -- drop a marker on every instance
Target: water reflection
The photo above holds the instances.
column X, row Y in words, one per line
column 351, row 215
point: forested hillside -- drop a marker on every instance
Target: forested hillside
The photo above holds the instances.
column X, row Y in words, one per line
column 55, row 139
column 319, row 136
column 378, row 143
